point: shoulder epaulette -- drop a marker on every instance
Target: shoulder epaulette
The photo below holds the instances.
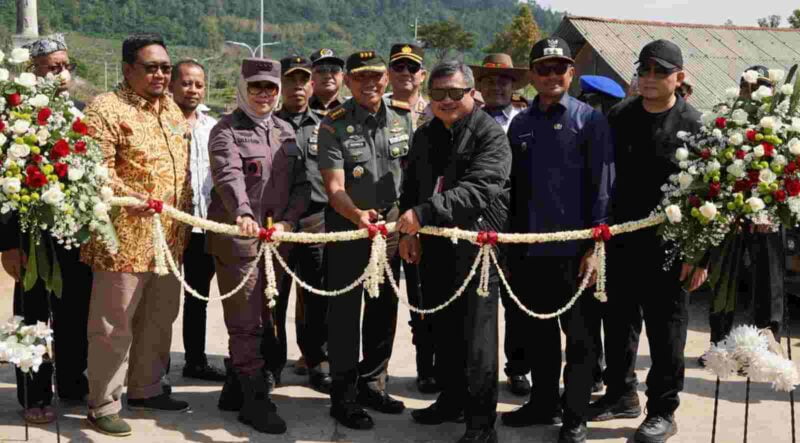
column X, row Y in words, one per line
column 336, row 114
column 400, row 105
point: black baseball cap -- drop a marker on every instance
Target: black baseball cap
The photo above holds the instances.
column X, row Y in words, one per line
column 407, row 51
column 551, row 48
column 294, row 63
column 663, row 52
column 325, row 56
column 365, row 61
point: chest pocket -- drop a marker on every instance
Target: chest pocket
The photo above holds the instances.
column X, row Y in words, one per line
column 254, row 160
column 571, row 146
column 356, row 151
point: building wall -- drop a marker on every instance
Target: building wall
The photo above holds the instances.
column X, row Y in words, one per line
column 589, row 62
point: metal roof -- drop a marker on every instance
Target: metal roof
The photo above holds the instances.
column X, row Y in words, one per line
column 714, row 56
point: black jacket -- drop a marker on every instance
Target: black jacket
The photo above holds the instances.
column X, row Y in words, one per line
column 474, row 160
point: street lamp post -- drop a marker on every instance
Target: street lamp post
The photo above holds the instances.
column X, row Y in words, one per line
column 208, row 74
column 251, row 49
column 261, row 31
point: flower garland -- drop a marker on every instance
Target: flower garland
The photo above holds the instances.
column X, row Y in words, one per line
column 746, row 351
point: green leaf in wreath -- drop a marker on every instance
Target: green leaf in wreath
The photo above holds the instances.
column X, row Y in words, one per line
column 83, row 235
column 48, row 215
column 31, row 270
column 43, row 264
column 56, row 282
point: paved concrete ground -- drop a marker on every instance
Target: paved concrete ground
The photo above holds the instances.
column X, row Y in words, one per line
column 306, row 411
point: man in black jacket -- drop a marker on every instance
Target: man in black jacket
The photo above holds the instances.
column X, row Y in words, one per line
column 645, row 133
column 457, row 176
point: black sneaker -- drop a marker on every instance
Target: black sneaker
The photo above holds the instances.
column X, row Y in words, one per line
column 380, row 401
column 351, row 415
column 161, row 402
column 612, row 407
column 519, row 385
column 203, row 372
column 319, row 377
column 437, row 414
column 656, row 428
column 572, row 433
column 530, row 414
column 488, row 435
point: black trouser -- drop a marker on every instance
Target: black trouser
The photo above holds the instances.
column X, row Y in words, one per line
column 545, row 284
column 466, row 341
column 199, row 271
column 766, row 285
column 640, row 289
column 70, row 317
column 514, row 344
column 421, row 325
column 346, row 261
column 595, row 330
column 312, row 325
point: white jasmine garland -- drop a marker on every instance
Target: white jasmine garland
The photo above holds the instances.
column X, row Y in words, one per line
column 708, row 210
column 674, row 213
column 681, row 154
column 750, row 76
column 755, row 203
column 26, row 79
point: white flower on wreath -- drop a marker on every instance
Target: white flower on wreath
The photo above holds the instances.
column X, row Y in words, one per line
column 26, row 79
column 4, row 75
column 750, row 76
column 19, row 55
column 776, row 75
column 19, row 151
column 673, row 213
column 708, row 210
column 53, row 196
column 717, row 133
column 787, row 89
column 736, row 169
column 770, row 123
column 43, row 136
column 758, row 151
column 780, row 160
column 3, row 139
column 740, row 116
column 732, row 93
column 685, row 180
column 106, row 193
column 794, row 204
column 681, row 154
column 795, row 124
column 794, row 146
column 707, row 118
column 755, row 203
column 21, row 127
column 100, row 210
column 75, row 173
column 39, row 101
column 683, row 135
column 12, row 185
column 761, row 93
column 713, row 166
column 736, row 139
column 767, row 176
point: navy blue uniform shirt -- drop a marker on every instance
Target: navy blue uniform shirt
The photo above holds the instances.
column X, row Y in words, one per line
column 562, row 172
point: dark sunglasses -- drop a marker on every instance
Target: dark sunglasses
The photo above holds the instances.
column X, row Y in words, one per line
column 659, row 71
column 58, row 69
column 258, row 88
column 328, row 69
column 455, row 94
column 545, row 70
column 152, row 68
column 400, row 67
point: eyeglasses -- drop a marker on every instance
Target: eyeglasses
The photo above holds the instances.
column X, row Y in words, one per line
column 546, row 70
column 455, row 94
column 258, row 88
column 400, row 67
column 659, row 71
column 152, row 68
column 59, row 68
column 327, row 69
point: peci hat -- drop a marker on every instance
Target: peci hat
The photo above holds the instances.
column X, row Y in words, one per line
column 295, row 63
column 501, row 64
column 325, row 56
column 663, row 52
column 365, row 61
column 261, row 69
column 551, row 48
column 602, row 85
column 407, row 51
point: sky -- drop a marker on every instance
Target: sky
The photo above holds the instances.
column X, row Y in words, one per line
column 715, row 12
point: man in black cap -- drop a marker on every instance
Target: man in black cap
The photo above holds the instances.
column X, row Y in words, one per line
column 361, row 146
column 645, row 133
column 311, row 323
column 562, row 177
column 327, row 75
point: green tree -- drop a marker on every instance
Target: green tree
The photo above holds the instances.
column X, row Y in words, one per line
column 772, row 21
column 445, row 36
column 794, row 19
column 518, row 37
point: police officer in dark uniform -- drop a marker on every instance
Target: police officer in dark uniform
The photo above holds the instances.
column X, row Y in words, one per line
column 327, row 75
column 361, row 146
column 311, row 322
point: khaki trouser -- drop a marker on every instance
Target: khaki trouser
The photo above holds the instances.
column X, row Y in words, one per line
column 129, row 312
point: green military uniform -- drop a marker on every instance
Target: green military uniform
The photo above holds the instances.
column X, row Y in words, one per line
column 370, row 149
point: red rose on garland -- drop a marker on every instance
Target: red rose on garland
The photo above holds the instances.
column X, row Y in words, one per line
column 80, row 146
column 61, row 169
column 80, row 127
column 60, row 149
column 721, row 122
column 43, row 116
column 14, row 100
column 34, row 177
column 750, row 134
column 769, row 150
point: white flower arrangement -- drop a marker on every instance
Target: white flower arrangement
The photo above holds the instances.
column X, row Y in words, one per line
column 25, row 346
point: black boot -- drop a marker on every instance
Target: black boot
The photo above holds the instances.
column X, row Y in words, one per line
column 613, row 406
column 258, row 410
column 230, row 399
column 656, row 428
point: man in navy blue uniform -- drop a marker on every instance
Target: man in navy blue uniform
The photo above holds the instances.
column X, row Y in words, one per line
column 563, row 173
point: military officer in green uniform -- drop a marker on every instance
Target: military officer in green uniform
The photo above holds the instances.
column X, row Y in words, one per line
column 362, row 145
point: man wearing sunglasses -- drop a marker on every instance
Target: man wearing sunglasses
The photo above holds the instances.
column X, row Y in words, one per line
column 327, row 75
column 457, row 176
column 406, row 75
column 645, row 134
column 361, row 146
column 143, row 135
column 563, row 173
column 49, row 56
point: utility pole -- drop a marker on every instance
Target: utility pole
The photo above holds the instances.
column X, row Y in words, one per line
column 27, row 22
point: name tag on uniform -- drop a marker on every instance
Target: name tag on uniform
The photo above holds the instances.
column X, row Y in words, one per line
column 398, row 139
column 356, row 144
column 312, row 139
column 245, row 140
